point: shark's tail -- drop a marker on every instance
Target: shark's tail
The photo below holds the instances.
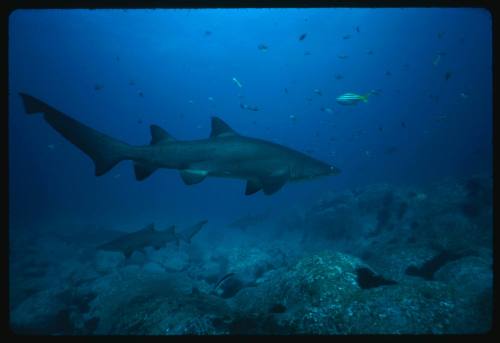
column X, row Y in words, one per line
column 105, row 151
column 187, row 234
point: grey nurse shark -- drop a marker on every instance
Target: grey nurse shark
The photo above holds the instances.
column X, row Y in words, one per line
column 150, row 237
column 264, row 165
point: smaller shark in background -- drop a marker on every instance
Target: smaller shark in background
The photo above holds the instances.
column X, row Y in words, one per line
column 150, row 237
column 249, row 220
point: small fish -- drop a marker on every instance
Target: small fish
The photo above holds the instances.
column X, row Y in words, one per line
column 380, row 128
column 139, row 121
column 191, row 101
column 98, row 87
column 440, row 35
column 437, row 59
column 224, row 278
column 208, row 33
column 286, row 91
column 369, row 52
column 342, row 57
column 357, row 29
column 403, row 124
column 339, row 76
column 406, row 66
column 388, row 73
column 117, row 58
column 131, row 83
column 117, row 176
column 292, row 117
column 262, row 47
column 308, row 98
column 303, row 36
column 346, row 37
column 210, row 98
column 317, row 91
column 199, row 126
column 447, row 75
column 464, row 95
column 326, row 109
column 51, row 146
column 141, row 94
column 352, row 98
column 237, row 82
column 307, row 53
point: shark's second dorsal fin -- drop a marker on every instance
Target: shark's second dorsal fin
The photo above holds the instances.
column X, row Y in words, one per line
column 150, row 227
column 221, row 129
column 158, row 135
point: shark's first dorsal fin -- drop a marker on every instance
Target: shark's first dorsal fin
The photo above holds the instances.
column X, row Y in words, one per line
column 158, row 135
column 220, row 128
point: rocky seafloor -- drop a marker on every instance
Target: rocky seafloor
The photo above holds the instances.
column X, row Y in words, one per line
column 379, row 259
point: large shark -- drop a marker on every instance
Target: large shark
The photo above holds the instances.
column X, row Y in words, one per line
column 150, row 237
column 264, row 165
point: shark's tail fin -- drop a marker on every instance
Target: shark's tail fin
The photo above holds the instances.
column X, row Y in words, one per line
column 187, row 234
column 105, row 151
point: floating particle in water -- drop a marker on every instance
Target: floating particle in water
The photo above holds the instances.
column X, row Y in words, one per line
column 346, row 36
column 141, row 94
column 303, row 36
column 98, row 87
column 447, row 75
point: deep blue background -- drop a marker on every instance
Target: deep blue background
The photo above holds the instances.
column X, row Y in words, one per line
column 59, row 56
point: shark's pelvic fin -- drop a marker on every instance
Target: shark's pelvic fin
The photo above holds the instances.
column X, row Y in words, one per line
column 221, row 129
column 253, row 186
column 159, row 135
column 105, row 151
column 193, row 176
column 143, row 171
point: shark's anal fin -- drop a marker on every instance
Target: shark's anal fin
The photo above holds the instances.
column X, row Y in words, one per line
column 193, row 176
column 143, row 171
column 273, row 183
column 253, row 186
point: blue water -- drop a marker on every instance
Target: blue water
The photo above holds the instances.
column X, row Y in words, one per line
column 120, row 71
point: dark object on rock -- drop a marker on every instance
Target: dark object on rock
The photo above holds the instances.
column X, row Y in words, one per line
column 277, row 308
column 368, row 279
column 428, row 269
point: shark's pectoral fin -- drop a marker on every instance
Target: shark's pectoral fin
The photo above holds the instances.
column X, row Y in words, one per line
column 192, row 176
column 274, row 183
column 143, row 171
column 253, row 186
